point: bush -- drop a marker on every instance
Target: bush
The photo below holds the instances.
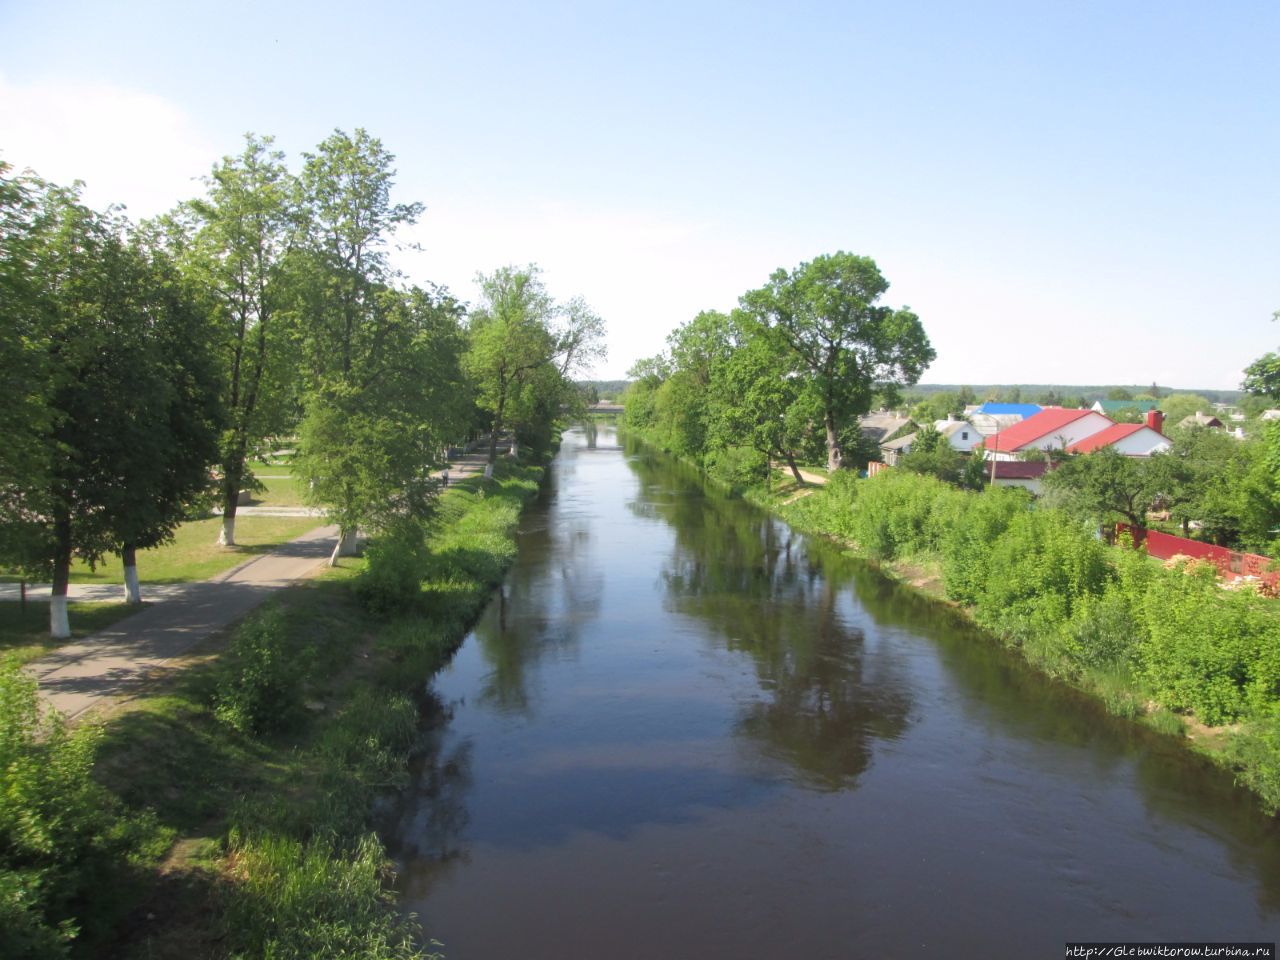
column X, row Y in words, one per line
column 1256, row 754
column 736, row 467
column 391, row 582
column 261, row 685
column 61, row 838
column 1211, row 651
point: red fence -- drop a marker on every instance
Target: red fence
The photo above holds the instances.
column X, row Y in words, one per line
column 1232, row 565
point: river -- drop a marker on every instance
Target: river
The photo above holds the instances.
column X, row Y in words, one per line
column 683, row 731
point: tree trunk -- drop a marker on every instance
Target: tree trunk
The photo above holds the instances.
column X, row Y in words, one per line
column 129, row 558
column 59, row 625
column 348, row 540
column 232, row 475
column 833, row 444
column 795, row 471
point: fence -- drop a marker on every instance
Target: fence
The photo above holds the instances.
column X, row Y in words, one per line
column 1231, row 564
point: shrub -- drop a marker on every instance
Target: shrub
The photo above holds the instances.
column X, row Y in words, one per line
column 736, row 467
column 1256, row 754
column 61, row 837
column 261, row 685
column 1208, row 650
column 391, row 582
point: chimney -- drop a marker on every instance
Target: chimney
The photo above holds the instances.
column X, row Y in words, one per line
column 1155, row 420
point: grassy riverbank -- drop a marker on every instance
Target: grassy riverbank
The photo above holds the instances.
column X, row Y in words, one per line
column 229, row 814
column 1168, row 648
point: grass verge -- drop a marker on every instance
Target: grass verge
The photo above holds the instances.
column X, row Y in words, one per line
column 24, row 634
column 247, row 783
column 194, row 553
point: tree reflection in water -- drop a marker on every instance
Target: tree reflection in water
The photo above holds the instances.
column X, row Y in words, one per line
column 826, row 696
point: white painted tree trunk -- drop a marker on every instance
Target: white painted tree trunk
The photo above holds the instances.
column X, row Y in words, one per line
column 348, row 540
column 132, row 591
column 227, row 538
column 488, row 471
column 59, row 625
column 514, row 452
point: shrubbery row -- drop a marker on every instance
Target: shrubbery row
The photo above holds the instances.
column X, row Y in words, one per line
column 1109, row 619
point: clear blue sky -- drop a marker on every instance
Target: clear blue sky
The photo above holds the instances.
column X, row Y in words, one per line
column 1070, row 192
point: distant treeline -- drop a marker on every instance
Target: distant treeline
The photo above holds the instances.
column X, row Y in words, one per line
column 1027, row 392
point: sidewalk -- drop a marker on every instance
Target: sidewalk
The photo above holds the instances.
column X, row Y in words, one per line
column 114, row 662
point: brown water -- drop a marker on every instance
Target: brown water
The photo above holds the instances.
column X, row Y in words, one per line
column 682, row 730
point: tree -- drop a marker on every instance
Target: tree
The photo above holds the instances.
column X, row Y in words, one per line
column 368, row 439
column 242, row 231
column 522, row 349
column 1103, row 486
column 827, row 313
column 1176, row 407
column 1262, row 377
column 932, row 454
column 130, row 430
column 758, row 402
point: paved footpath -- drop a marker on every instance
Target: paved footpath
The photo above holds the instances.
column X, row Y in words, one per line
column 113, row 663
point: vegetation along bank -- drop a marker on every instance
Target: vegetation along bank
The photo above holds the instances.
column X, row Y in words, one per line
column 231, row 813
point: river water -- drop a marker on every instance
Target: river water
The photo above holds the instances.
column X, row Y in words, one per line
column 683, row 731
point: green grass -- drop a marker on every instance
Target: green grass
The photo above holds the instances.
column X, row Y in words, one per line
column 274, row 853
column 194, row 553
column 279, row 492
column 25, row 635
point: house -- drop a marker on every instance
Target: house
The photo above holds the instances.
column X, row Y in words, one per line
column 881, row 424
column 1017, row 473
column 892, row 450
column 961, row 434
column 1199, row 419
column 1113, row 408
column 1053, row 428
column 1129, row 439
column 1269, row 415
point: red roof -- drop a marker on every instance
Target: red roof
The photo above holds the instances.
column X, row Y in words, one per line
column 1113, row 434
column 1045, row 423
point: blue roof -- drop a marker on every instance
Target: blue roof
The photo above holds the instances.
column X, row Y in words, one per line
column 1023, row 410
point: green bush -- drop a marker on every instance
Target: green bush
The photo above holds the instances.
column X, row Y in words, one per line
column 1256, row 754
column 391, row 582
column 261, row 685
column 1208, row 650
column 969, row 536
column 62, row 841
column 736, row 467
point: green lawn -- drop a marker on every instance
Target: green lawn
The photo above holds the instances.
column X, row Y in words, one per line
column 280, row 492
column 25, row 634
column 194, row 553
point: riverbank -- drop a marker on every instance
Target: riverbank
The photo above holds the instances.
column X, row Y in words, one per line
column 1165, row 648
column 230, row 812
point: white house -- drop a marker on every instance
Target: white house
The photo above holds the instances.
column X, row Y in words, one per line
column 1053, row 428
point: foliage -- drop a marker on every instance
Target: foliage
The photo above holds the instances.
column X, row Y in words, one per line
column 826, row 312
column 1102, row 486
column 62, row 839
column 523, row 347
column 260, row 689
column 391, row 582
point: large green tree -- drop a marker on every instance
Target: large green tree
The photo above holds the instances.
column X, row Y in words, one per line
column 241, row 233
column 522, row 349
column 843, row 339
column 130, row 426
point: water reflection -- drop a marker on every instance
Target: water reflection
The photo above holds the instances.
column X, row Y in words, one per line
column 682, row 730
column 824, row 696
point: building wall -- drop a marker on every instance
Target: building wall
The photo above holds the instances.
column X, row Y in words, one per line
column 1142, row 443
column 1073, row 432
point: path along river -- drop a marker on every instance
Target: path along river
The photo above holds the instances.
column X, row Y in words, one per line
column 683, row 731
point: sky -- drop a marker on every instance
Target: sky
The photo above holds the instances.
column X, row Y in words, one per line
column 1064, row 192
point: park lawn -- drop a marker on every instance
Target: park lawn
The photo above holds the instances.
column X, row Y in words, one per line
column 194, row 553
column 280, row 492
column 24, row 635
